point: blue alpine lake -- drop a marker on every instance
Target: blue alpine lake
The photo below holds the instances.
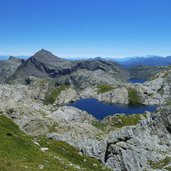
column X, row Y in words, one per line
column 100, row 110
column 135, row 80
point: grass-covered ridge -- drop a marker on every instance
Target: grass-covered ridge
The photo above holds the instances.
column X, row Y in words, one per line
column 128, row 120
column 168, row 102
column 53, row 94
column 161, row 164
column 118, row 121
column 133, row 97
column 103, row 88
column 19, row 153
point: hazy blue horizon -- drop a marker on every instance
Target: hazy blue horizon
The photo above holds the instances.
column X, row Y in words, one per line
column 74, row 28
column 6, row 57
column 81, row 57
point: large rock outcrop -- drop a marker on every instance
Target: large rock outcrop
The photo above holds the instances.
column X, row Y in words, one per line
column 118, row 95
column 136, row 148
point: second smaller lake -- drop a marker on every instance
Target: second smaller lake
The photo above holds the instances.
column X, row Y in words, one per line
column 100, row 110
column 135, row 80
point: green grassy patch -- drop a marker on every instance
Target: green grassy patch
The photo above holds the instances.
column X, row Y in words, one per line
column 19, row 153
column 53, row 127
column 103, row 88
column 128, row 120
column 53, row 94
column 133, row 97
column 161, row 91
column 118, row 122
column 71, row 154
column 100, row 125
column 168, row 101
column 161, row 164
column 168, row 168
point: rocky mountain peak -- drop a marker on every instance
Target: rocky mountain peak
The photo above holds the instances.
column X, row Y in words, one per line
column 98, row 58
column 43, row 52
column 46, row 57
column 11, row 58
column 15, row 59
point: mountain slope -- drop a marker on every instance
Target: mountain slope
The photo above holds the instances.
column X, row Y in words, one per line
column 19, row 152
column 46, row 65
column 144, row 72
column 8, row 67
column 42, row 64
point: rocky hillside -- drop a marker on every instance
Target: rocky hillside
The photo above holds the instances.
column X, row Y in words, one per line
column 157, row 91
column 144, row 146
column 76, row 73
column 121, row 142
column 19, row 152
column 8, row 67
column 144, row 72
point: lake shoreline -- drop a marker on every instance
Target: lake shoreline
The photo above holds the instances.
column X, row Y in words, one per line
column 100, row 110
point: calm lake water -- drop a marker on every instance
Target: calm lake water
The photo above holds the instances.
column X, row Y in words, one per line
column 135, row 80
column 100, row 110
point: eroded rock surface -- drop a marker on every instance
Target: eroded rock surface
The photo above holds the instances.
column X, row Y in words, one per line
column 143, row 145
column 129, row 148
column 118, row 95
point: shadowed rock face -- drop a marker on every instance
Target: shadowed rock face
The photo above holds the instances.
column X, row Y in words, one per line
column 42, row 64
column 46, row 65
column 135, row 148
column 8, row 67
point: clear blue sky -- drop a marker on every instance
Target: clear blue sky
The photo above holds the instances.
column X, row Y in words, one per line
column 86, row 28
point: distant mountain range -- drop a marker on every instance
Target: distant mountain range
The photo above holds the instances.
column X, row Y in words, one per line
column 134, row 61
column 78, row 73
column 127, row 61
column 147, row 61
column 6, row 57
column 2, row 57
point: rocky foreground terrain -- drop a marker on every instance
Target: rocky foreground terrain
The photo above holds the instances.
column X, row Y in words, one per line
column 35, row 97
